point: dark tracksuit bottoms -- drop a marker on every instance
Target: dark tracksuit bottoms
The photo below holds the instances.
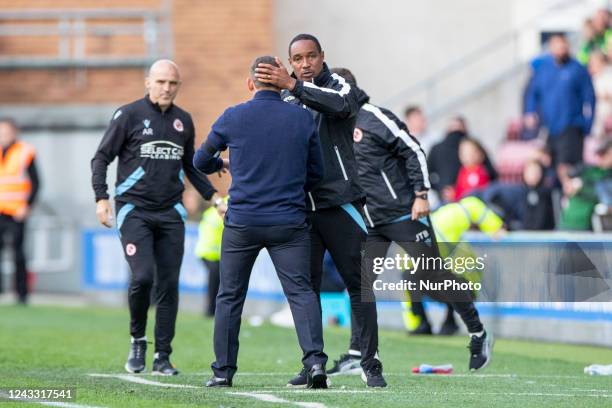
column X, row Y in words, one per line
column 289, row 248
column 153, row 244
column 16, row 229
column 342, row 231
column 405, row 233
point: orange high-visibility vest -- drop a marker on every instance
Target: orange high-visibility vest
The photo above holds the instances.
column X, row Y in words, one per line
column 15, row 184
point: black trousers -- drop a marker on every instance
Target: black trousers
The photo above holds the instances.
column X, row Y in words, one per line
column 404, row 233
column 153, row 244
column 343, row 232
column 213, row 286
column 289, row 248
column 16, row 230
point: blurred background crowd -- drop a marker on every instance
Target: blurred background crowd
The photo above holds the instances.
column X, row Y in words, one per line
column 553, row 169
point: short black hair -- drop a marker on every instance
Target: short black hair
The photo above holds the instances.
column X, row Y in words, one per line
column 346, row 74
column 265, row 59
column 309, row 37
column 412, row 109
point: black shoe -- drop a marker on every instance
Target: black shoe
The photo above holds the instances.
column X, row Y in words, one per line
column 348, row 364
column 136, row 359
column 448, row 328
column 218, row 382
column 163, row 366
column 316, row 377
column 422, row 329
column 481, row 349
column 373, row 376
column 300, row 380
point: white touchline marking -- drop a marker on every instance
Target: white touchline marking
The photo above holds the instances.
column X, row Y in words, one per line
column 262, row 397
column 518, row 394
column 141, row 380
column 321, row 391
column 275, row 399
column 47, row 403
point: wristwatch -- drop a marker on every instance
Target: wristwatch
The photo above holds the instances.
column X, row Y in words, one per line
column 218, row 201
column 422, row 195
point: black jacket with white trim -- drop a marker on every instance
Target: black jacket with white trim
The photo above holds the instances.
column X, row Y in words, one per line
column 155, row 152
column 392, row 164
column 334, row 105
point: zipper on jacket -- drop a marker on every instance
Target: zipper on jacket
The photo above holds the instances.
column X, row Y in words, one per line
column 311, row 201
column 389, row 186
column 340, row 161
column 367, row 214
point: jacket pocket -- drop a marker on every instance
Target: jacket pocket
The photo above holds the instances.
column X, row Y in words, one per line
column 389, row 186
column 341, row 163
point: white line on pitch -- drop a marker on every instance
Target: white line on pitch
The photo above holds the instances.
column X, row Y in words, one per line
column 141, row 380
column 47, row 403
column 275, row 399
column 259, row 396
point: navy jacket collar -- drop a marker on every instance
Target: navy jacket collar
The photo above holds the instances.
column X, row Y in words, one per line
column 265, row 94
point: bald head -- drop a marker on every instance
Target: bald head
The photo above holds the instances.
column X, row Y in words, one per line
column 163, row 82
column 164, row 65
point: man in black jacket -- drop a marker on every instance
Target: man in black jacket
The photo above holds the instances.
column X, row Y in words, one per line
column 335, row 203
column 154, row 140
column 393, row 172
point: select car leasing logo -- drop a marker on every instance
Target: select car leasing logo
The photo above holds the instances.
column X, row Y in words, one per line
column 162, row 150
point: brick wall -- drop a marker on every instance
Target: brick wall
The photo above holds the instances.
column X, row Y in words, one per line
column 214, row 43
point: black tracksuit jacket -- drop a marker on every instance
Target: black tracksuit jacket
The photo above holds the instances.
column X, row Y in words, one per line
column 155, row 152
column 392, row 164
column 334, row 105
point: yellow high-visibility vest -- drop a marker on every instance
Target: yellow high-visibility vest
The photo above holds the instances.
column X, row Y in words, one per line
column 15, row 184
column 210, row 232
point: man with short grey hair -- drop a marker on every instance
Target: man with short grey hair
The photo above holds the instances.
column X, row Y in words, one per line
column 154, row 140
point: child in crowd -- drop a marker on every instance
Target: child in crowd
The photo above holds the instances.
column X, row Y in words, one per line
column 537, row 211
column 473, row 174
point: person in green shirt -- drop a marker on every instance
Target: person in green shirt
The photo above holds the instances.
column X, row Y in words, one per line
column 586, row 189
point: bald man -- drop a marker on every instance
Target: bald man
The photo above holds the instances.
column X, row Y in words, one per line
column 154, row 140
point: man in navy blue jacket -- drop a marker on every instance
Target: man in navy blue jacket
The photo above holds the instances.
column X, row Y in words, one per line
column 275, row 160
column 560, row 95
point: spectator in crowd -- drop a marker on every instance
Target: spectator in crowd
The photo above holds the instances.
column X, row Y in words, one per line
column 588, row 42
column 443, row 161
column 504, row 196
column 561, row 96
column 597, row 35
column 601, row 72
column 585, row 185
column 416, row 122
column 473, row 174
column 537, row 212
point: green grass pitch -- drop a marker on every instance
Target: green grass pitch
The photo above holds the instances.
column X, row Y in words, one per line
column 46, row 347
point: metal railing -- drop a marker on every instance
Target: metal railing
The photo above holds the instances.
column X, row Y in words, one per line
column 73, row 27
